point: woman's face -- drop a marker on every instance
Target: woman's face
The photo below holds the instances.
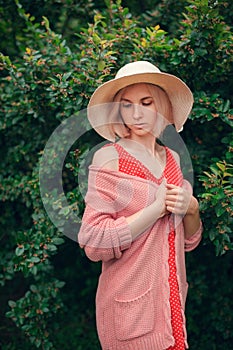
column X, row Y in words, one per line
column 138, row 109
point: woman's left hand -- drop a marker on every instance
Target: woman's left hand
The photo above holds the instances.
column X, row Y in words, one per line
column 178, row 200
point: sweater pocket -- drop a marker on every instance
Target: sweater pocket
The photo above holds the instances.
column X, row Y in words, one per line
column 134, row 318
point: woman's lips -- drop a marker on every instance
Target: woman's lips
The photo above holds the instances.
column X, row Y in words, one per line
column 140, row 125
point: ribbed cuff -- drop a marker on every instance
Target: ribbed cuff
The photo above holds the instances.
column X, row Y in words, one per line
column 194, row 240
column 124, row 233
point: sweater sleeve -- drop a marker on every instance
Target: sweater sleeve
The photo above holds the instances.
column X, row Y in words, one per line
column 102, row 236
column 194, row 240
column 105, row 233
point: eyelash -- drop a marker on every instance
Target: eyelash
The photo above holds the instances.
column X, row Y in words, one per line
column 128, row 105
column 147, row 103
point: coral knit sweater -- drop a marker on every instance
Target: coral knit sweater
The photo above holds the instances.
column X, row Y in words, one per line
column 133, row 309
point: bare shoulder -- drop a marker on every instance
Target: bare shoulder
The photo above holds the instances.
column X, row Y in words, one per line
column 106, row 157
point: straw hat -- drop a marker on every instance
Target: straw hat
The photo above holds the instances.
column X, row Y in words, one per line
column 180, row 95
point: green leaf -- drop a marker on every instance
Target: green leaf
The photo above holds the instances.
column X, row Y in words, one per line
column 207, row 174
column 212, row 235
column 58, row 240
column 51, row 247
column 206, row 195
column 226, row 174
column 19, row 251
column 12, row 303
column 64, row 211
column 33, row 288
column 60, row 284
column 214, row 170
column 101, row 65
column 66, row 76
column 221, row 166
column 45, row 309
column 34, row 270
column 35, row 259
column 96, row 39
column 220, row 211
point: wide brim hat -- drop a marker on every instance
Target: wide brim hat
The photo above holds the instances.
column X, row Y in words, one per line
column 179, row 94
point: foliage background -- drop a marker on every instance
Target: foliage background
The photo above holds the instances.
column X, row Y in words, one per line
column 54, row 54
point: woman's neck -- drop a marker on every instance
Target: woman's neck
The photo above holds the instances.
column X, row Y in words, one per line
column 147, row 142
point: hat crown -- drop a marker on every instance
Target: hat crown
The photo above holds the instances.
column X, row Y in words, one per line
column 178, row 92
column 139, row 67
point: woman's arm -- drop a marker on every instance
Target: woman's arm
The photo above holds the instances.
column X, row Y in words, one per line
column 146, row 217
column 192, row 219
column 139, row 222
column 104, row 238
column 103, row 235
column 181, row 202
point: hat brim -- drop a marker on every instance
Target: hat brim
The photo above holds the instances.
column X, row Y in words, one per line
column 178, row 92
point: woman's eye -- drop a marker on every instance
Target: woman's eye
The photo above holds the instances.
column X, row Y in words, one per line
column 146, row 103
column 126, row 105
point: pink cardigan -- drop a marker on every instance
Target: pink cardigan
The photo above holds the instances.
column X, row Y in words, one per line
column 132, row 301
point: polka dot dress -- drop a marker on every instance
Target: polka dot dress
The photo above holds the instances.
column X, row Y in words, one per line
column 130, row 165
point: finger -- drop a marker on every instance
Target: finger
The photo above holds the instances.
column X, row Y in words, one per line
column 175, row 190
column 170, row 201
column 171, row 198
column 172, row 186
column 175, row 210
column 174, row 206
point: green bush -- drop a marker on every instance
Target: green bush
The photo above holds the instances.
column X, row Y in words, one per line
column 51, row 80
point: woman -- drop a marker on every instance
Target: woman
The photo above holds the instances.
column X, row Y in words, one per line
column 140, row 214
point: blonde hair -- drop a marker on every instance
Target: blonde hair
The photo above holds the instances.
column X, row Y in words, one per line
column 162, row 105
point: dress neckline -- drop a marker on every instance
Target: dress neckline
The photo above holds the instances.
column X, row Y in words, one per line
column 145, row 168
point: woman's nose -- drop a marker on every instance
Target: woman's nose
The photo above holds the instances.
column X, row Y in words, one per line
column 137, row 112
